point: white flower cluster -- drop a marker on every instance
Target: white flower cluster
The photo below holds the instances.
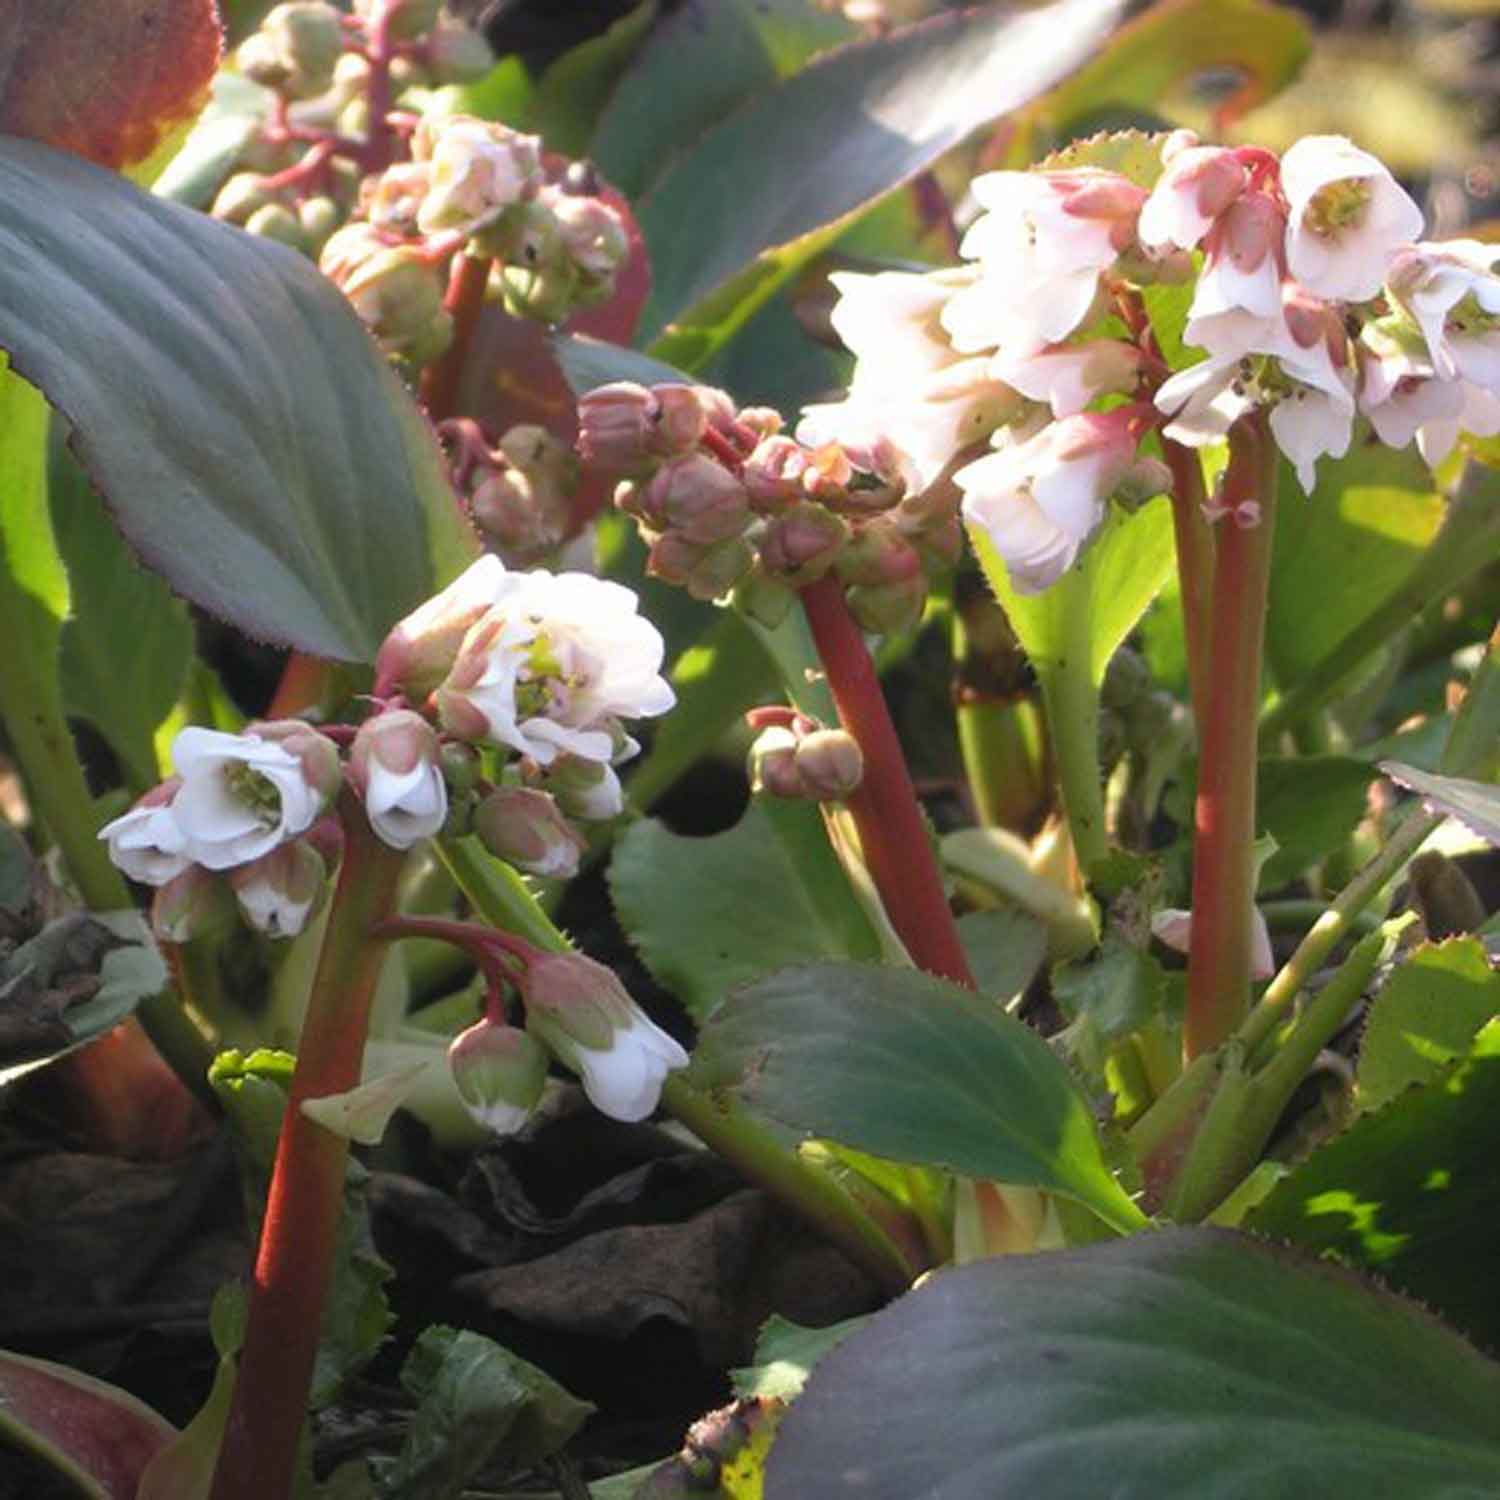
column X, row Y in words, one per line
column 1314, row 301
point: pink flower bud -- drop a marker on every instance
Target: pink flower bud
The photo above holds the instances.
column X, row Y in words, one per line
column 773, row 763
column 281, row 890
column 195, row 903
column 697, row 497
column 801, row 545
column 526, row 829
column 878, row 554
column 830, row 763
column 420, row 651
column 616, row 426
column 773, row 474
column 888, row 608
column 394, row 765
column 500, row 1073
column 582, row 1013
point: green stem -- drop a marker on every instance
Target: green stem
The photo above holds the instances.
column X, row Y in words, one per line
column 1195, row 567
column 294, row 1264
column 892, row 831
column 1072, row 701
column 1224, row 845
column 1466, row 543
column 500, row 896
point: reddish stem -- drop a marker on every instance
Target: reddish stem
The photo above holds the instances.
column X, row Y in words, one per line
column 1224, row 848
column 489, row 947
column 304, row 682
column 886, row 812
column 379, row 146
column 1195, row 568
column 294, row 1265
column 464, row 301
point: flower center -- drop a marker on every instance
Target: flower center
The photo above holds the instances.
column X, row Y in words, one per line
column 1468, row 317
column 255, row 791
column 1338, row 206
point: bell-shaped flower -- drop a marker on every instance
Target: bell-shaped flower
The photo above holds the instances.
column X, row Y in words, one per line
column 195, row 904
column 526, row 828
column 587, row 1020
column 1347, row 217
column 1451, row 292
column 278, row 892
column 241, row 796
column 500, row 1073
column 478, row 170
column 1198, row 184
column 586, row 789
column 1242, row 269
column 549, row 668
column 1068, row 377
column 395, row 766
column 147, row 843
column 1039, row 500
column 1041, row 248
column 420, row 649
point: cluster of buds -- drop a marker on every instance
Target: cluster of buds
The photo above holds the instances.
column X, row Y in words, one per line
column 730, row 504
column 518, row 493
column 1312, row 300
column 578, row 1012
column 793, row 756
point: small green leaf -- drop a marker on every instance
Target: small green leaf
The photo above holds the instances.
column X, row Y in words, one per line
column 914, row 1069
column 1425, row 1019
column 474, row 1399
column 229, row 406
column 731, row 219
column 1189, row 1364
column 1309, row 805
column 707, row 914
column 785, row 1353
column 1410, row 1192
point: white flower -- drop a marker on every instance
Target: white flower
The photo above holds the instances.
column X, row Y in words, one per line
column 1041, row 247
column 584, row 1015
column 419, row 651
column 1069, row 376
column 240, row 797
column 395, row 766
column 478, row 170
column 147, row 842
column 1400, row 396
column 1174, row 927
column 1450, row 291
column 1241, row 268
column 500, row 1073
column 1038, row 501
column 549, row 668
column 1347, row 217
column 281, row 890
column 1199, row 183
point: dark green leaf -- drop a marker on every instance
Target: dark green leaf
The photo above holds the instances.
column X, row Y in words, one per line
column 1118, row 990
column 1309, row 806
column 698, row 64
column 127, row 643
column 247, row 436
column 770, row 185
column 707, row 914
column 1188, row 1364
column 591, row 362
column 1005, row 948
column 474, row 1398
column 1410, row 1192
column 905, row 1066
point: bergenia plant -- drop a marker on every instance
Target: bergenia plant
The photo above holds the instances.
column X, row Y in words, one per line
column 1052, row 577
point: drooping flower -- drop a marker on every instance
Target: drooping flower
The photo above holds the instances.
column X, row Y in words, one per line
column 1039, row 500
column 526, row 828
column 500, row 1073
column 1198, row 185
column 1348, row 216
column 553, row 666
column 1450, row 291
column 395, row 765
column 279, row 891
column 1068, row 377
column 586, row 1018
column 1242, row 270
column 147, row 843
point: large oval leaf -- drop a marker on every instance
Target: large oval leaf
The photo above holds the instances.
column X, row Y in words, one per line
column 249, row 439
column 784, row 171
column 912, row 1068
column 1190, row 1365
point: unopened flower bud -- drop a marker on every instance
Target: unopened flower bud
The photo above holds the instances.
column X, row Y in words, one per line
column 592, row 234
column 682, row 417
column 773, row 474
column 615, row 426
column 308, row 39
column 405, row 19
column 394, row 765
column 279, row 891
column 527, row 829
column 698, row 497
column 500, row 1073
column 421, row 649
column 397, row 294
column 398, row 195
column 194, row 904
column 460, row 765
column 830, row 763
column 479, row 169
column 673, row 558
column 773, row 763
column 546, row 294
column 317, row 755
column 458, row 54
column 259, row 60
column 276, row 222
column 585, row 789
column 878, row 554
column 801, row 545
column 888, row 608
column 510, row 513
column 585, row 1017
column 319, row 217
column 241, row 196
column 1143, row 479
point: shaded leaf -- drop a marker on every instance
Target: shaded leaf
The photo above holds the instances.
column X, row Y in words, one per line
column 1476, row 804
column 98, row 1436
column 108, row 82
column 474, row 1398
column 1309, row 805
column 569, row 96
column 1168, row 1366
column 1005, row 947
column 912, row 1068
column 1410, row 1192
column 707, row 914
column 730, row 221
column 228, row 405
column 590, row 362
column 785, row 1353
column 1425, row 1019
